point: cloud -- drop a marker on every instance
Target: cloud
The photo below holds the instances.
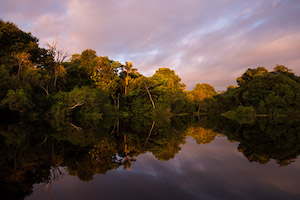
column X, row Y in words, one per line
column 204, row 41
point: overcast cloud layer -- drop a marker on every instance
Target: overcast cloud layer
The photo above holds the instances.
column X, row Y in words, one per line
column 206, row 41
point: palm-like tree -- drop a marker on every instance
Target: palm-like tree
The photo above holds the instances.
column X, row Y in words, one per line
column 128, row 66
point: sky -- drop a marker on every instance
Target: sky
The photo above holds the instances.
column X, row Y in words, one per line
column 204, row 41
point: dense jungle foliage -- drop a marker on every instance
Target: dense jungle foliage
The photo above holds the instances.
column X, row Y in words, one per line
column 41, row 83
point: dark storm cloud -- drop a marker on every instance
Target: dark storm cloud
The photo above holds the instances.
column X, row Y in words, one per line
column 204, row 41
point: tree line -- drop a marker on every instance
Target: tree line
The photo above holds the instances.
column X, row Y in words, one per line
column 41, row 83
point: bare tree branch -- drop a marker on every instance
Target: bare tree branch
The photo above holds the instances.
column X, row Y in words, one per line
column 149, row 95
column 76, row 105
column 77, row 128
column 46, row 90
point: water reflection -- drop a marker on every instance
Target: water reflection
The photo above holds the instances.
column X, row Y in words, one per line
column 265, row 139
column 34, row 153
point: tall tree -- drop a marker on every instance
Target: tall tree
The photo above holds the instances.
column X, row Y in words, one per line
column 22, row 59
column 128, row 66
column 59, row 56
column 200, row 93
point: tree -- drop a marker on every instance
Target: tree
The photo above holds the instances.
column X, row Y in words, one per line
column 59, row 56
column 167, row 91
column 5, row 81
column 22, row 59
column 106, row 75
column 13, row 41
column 167, row 78
column 17, row 100
column 282, row 69
column 272, row 93
column 200, row 93
column 84, row 103
column 250, row 74
column 128, row 66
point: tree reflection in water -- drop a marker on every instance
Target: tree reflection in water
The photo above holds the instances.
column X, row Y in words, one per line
column 33, row 153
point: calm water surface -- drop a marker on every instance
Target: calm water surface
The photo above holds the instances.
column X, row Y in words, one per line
column 167, row 160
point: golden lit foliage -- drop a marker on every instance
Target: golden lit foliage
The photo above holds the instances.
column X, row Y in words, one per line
column 201, row 135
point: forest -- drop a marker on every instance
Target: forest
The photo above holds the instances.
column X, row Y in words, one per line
column 49, row 84
column 92, row 114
